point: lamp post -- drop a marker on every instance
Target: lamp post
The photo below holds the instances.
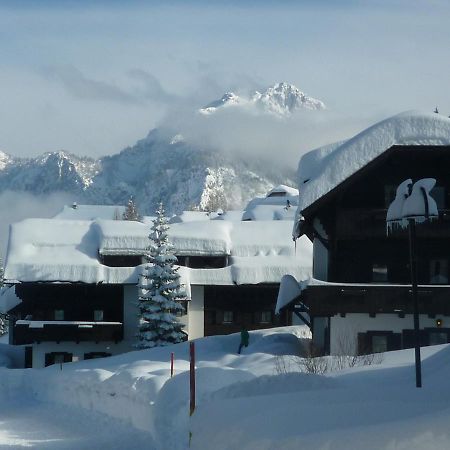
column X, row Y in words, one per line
column 413, row 204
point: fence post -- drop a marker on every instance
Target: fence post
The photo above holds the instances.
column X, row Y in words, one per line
column 171, row 365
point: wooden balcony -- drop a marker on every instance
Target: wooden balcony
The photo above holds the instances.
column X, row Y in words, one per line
column 29, row 331
column 362, row 223
column 331, row 299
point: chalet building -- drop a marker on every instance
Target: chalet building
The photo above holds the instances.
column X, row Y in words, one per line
column 359, row 299
column 75, row 280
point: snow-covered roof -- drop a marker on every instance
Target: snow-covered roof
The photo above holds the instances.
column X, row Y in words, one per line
column 59, row 250
column 270, row 212
column 8, row 298
column 190, row 216
column 118, row 237
column 90, row 212
column 67, row 250
column 321, row 170
column 278, row 204
column 287, row 191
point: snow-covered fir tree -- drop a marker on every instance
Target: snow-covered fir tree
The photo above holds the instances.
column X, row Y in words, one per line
column 131, row 211
column 3, row 324
column 160, row 291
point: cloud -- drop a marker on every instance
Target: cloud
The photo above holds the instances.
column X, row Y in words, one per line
column 82, row 87
column 152, row 88
column 16, row 206
column 264, row 136
column 85, row 88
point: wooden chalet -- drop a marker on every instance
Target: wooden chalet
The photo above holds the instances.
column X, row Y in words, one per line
column 360, row 293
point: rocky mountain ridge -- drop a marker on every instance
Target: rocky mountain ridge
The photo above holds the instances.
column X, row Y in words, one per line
column 164, row 168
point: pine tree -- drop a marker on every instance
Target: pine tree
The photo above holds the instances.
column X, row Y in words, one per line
column 160, row 290
column 3, row 324
column 131, row 211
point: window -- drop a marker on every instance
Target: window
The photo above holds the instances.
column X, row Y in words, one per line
column 389, row 194
column 438, row 193
column 438, row 271
column 227, row 316
column 98, row 315
column 59, row 314
column 266, row 317
column 379, row 344
column 57, row 358
column 379, row 273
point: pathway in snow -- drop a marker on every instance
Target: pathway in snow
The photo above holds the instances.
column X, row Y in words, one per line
column 28, row 424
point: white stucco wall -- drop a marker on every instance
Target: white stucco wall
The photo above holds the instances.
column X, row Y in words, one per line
column 197, row 312
column 344, row 330
column 77, row 350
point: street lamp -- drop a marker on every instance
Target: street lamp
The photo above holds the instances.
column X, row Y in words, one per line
column 413, row 204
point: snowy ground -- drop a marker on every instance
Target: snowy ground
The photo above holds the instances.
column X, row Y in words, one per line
column 244, row 402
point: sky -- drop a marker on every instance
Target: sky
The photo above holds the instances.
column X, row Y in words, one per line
column 94, row 77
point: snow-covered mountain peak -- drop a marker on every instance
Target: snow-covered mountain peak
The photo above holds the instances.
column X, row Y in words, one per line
column 281, row 99
column 228, row 99
column 284, row 98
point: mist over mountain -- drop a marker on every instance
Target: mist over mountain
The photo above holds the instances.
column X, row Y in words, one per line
column 165, row 166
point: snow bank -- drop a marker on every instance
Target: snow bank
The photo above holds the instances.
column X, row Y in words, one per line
column 322, row 170
column 136, row 387
column 249, row 402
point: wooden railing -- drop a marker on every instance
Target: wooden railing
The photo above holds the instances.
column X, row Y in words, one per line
column 28, row 332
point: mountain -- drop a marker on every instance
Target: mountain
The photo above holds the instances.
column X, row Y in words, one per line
column 164, row 167
column 154, row 169
column 281, row 99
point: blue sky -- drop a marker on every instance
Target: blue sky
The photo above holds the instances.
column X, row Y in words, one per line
column 94, row 77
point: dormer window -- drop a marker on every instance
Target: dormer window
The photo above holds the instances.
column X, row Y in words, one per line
column 121, row 260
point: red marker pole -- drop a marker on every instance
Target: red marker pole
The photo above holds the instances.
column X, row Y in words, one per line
column 192, row 377
column 171, row 365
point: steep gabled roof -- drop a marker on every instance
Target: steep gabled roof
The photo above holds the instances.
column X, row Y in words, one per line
column 324, row 169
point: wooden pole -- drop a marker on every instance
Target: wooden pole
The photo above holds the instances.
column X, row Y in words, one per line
column 171, row 365
column 192, row 377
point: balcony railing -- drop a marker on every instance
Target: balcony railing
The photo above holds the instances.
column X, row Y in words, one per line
column 353, row 223
column 31, row 331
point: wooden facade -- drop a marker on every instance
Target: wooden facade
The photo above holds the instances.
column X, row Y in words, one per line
column 229, row 308
column 64, row 304
column 369, row 268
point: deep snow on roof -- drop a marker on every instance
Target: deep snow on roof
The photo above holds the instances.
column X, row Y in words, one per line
column 278, row 204
column 321, row 170
column 90, row 212
column 283, row 189
column 67, row 250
